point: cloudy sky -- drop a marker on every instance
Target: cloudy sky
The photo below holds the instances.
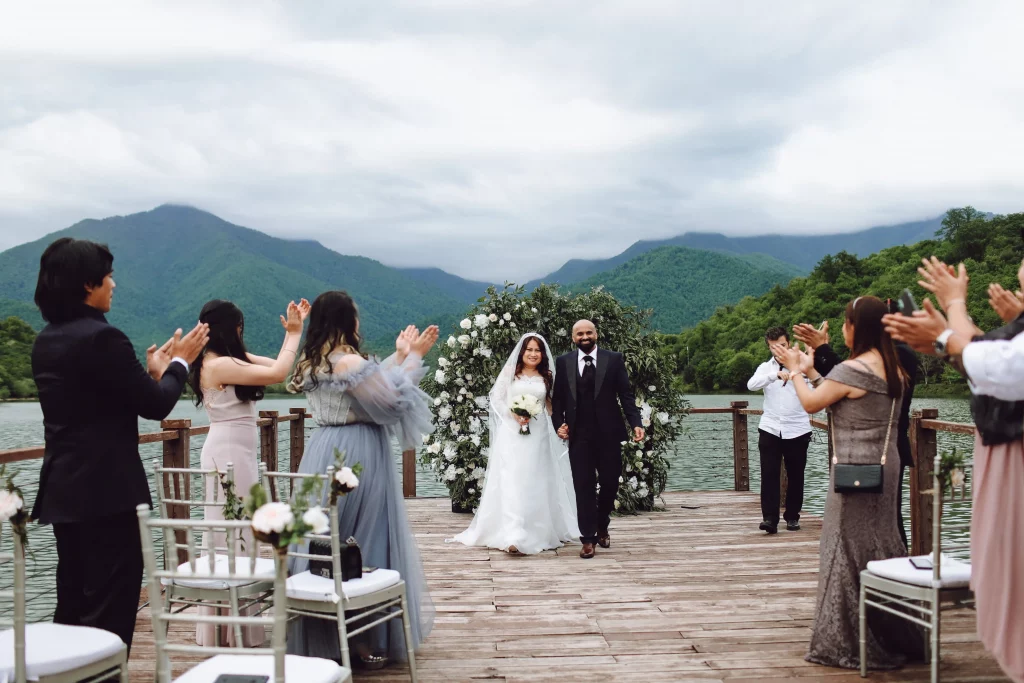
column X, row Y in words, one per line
column 498, row 138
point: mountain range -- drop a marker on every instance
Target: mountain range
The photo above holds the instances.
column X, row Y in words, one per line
column 171, row 260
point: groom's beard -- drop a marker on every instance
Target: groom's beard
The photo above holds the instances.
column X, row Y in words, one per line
column 586, row 346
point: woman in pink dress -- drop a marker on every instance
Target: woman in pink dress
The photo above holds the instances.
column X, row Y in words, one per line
column 227, row 381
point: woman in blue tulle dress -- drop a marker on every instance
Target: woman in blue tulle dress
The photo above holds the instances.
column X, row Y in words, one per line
column 360, row 406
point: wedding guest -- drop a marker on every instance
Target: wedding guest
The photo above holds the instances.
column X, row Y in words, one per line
column 227, row 381
column 782, row 436
column 92, row 391
column 825, row 358
column 863, row 393
column 359, row 406
column 997, row 534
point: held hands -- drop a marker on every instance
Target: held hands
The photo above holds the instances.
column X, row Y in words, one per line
column 563, row 432
column 949, row 285
column 811, row 336
column 639, row 434
column 296, row 313
column 919, row 330
column 1006, row 304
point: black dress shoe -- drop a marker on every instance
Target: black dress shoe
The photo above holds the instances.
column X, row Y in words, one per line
column 792, row 526
column 769, row 527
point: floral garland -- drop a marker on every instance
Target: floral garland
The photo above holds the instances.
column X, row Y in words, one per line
column 473, row 356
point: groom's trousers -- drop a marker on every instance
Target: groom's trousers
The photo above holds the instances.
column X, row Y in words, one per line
column 594, row 461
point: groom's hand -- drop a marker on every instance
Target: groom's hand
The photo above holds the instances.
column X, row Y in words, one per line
column 639, row 434
column 563, row 432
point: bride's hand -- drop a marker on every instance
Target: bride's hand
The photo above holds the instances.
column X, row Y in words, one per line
column 405, row 340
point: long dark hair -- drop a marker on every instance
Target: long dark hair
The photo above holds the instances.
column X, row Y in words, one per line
column 865, row 316
column 66, row 268
column 333, row 319
column 543, row 367
column 226, row 326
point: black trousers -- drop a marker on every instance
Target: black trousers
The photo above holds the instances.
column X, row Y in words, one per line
column 99, row 573
column 594, row 461
column 774, row 451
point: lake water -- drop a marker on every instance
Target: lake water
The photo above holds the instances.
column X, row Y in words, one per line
column 701, row 460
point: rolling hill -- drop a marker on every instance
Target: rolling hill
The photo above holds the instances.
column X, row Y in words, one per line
column 169, row 261
column 453, row 285
column 802, row 251
column 685, row 286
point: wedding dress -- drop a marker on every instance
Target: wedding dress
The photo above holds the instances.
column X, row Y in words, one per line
column 528, row 499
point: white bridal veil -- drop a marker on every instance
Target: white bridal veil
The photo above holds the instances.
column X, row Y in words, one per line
column 500, row 396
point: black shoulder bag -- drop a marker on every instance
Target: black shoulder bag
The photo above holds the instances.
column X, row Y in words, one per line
column 850, row 478
column 351, row 560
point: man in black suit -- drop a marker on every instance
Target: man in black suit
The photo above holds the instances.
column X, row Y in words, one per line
column 825, row 358
column 92, row 390
column 590, row 384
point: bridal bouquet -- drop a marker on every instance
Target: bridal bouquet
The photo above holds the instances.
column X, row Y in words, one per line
column 528, row 406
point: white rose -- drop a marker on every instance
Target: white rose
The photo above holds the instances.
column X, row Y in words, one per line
column 439, row 377
column 501, row 322
column 465, row 339
column 316, row 518
column 465, row 324
column 508, row 316
column 562, row 333
column 272, row 518
column 453, row 355
column 469, row 378
column 444, row 413
column 452, row 342
column 444, row 395
column 459, row 470
column 493, row 318
column 512, row 325
column 434, row 448
column 347, row 478
column 442, row 362
column 663, row 417
column 449, row 452
column 472, row 491
column 534, row 310
column 646, row 422
column 475, row 438
column 485, row 352
column 633, row 483
column 10, row 503
column 474, row 334
column 481, row 402
column 437, row 401
column 481, row 321
column 629, row 468
column 643, row 492
column 652, row 388
column 621, row 480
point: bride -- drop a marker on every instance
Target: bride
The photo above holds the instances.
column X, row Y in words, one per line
column 528, row 504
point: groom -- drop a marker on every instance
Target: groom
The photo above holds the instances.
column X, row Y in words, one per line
column 584, row 411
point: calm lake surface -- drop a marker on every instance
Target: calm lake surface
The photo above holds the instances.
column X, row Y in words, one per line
column 700, row 461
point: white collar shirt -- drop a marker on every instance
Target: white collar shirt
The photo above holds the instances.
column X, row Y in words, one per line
column 784, row 416
column 582, row 363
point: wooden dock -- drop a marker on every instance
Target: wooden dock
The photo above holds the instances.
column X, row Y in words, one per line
column 692, row 593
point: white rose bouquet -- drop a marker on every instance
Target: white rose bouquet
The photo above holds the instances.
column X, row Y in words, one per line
column 12, row 506
column 528, row 406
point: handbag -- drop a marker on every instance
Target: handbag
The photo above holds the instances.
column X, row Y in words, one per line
column 351, row 559
column 850, row 478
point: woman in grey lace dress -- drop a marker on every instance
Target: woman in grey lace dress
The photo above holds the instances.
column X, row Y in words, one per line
column 359, row 406
column 863, row 393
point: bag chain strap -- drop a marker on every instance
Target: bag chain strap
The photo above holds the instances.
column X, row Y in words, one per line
column 888, row 434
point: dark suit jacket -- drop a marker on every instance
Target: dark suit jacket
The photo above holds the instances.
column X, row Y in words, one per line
column 93, row 390
column 611, row 382
column 825, row 358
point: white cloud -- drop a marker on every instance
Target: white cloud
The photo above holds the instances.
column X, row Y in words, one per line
column 454, row 133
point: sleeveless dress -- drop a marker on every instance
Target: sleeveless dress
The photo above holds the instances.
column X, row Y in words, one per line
column 858, row 529
column 528, row 499
column 232, row 438
column 360, row 413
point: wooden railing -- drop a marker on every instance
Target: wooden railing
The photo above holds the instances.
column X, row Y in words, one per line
column 176, row 435
column 924, row 428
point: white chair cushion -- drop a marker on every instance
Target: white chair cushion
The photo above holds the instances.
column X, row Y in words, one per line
column 304, row 669
column 953, row 572
column 264, row 572
column 56, row 648
column 306, row 586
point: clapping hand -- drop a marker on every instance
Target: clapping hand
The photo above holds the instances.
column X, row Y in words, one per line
column 1006, row 304
column 919, row 330
column 811, row 336
column 422, row 345
column 949, row 285
column 296, row 315
column 157, row 359
column 792, row 358
column 406, row 338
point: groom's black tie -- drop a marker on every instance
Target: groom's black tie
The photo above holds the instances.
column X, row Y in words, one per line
column 588, row 370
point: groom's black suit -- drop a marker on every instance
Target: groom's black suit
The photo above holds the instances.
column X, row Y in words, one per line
column 588, row 402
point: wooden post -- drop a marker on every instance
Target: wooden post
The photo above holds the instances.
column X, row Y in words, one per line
column 296, row 438
column 176, row 454
column 409, row 473
column 268, row 446
column 740, row 454
column 923, row 446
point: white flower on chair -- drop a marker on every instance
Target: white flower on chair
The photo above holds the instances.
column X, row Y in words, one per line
column 317, row 518
column 957, row 478
column 272, row 518
column 347, row 478
column 10, row 504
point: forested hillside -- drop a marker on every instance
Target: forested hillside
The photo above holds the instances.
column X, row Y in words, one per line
column 722, row 352
column 683, row 286
column 16, row 339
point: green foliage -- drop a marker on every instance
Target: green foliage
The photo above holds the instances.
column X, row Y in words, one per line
column 16, row 338
column 684, row 286
column 473, row 357
column 951, row 469
column 990, row 247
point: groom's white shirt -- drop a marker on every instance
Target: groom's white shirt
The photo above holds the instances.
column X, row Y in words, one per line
column 582, row 363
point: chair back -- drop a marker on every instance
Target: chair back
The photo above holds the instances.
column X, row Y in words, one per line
column 17, row 595
column 182, row 493
column 162, row 614
column 283, row 487
column 958, row 534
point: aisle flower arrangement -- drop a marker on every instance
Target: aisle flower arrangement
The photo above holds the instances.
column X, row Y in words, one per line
column 472, row 356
